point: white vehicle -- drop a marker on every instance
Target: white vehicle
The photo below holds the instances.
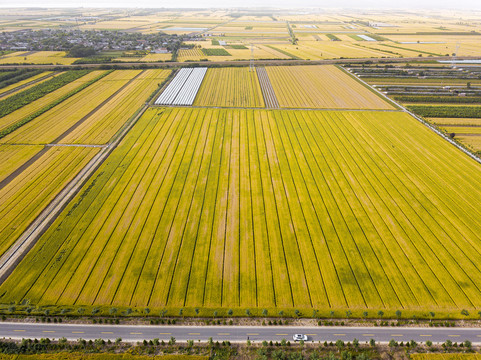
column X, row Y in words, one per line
column 299, row 337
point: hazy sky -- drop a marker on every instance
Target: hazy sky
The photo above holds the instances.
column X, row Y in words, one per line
column 424, row 4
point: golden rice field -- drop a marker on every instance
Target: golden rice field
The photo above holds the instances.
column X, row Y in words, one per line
column 190, row 55
column 231, row 208
column 47, row 127
column 106, row 121
column 323, row 86
column 51, row 97
column 230, row 87
column 22, row 199
column 38, row 57
column 12, row 157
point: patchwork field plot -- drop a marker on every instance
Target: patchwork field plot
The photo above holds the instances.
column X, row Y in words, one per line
column 183, row 88
column 49, row 98
column 230, row 87
column 47, row 127
column 321, row 87
column 24, row 84
column 268, row 208
column 104, row 123
column 23, row 198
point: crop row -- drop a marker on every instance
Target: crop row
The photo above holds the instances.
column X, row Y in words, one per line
column 321, row 87
column 446, row 111
column 24, row 198
column 230, row 87
column 438, row 99
column 259, row 208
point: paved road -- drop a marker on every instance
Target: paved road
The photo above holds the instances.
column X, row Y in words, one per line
column 235, row 333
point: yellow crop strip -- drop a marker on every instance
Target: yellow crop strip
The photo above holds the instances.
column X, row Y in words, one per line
column 245, row 208
column 321, row 87
column 230, row 87
column 39, row 57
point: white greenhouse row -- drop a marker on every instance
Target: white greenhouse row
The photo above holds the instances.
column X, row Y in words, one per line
column 183, row 88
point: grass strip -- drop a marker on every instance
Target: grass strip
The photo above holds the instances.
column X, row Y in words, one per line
column 446, row 111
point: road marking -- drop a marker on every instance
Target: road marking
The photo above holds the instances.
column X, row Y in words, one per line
column 339, row 334
column 220, row 334
column 425, row 335
column 135, row 333
column 287, row 334
column 165, row 333
column 311, row 334
column 78, row 332
column 478, row 335
column 194, row 333
column 48, row 331
column 454, row 335
column 106, row 332
column 253, row 334
column 397, row 335
column 367, row 334
column 19, row 330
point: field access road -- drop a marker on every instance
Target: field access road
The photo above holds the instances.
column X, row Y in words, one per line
column 133, row 333
column 169, row 64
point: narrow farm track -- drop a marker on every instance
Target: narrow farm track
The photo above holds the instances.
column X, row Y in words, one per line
column 331, row 210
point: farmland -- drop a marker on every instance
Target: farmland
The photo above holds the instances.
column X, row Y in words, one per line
column 53, row 123
column 321, row 87
column 104, row 123
column 381, row 217
column 24, row 104
column 23, row 198
column 230, row 87
column 38, row 57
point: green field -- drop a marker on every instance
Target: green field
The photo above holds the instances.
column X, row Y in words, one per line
column 269, row 209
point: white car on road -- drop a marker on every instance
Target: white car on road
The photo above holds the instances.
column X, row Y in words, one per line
column 299, row 337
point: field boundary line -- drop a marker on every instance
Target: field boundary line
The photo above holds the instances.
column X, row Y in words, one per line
column 418, row 118
column 29, row 238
